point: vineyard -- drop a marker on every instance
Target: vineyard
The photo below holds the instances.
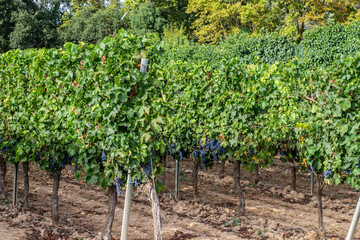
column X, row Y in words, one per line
column 99, row 115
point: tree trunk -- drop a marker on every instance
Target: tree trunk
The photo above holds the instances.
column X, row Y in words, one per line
column 237, row 177
column 293, row 173
column 25, row 166
column 55, row 196
column 195, row 180
column 256, row 174
column 320, row 186
column 222, row 169
column 2, row 177
column 106, row 235
column 155, row 204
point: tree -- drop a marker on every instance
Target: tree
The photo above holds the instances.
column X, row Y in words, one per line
column 215, row 19
column 7, row 7
column 147, row 18
column 36, row 27
column 90, row 24
column 260, row 16
column 300, row 14
column 174, row 12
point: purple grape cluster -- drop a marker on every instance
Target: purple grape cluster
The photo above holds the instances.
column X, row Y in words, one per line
column 137, row 182
column 118, row 184
column 250, row 153
column 201, row 151
column 103, row 155
column 172, row 148
column 327, row 173
column 76, row 165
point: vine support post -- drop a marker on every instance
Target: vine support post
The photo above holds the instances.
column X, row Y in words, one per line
column 155, row 206
column 25, row 166
column 312, row 183
column 195, row 174
column 354, row 222
column 126, row 215
column 2, row 177
column 177, row 173
column 144, row 65
column 256, row 174
column 293, row 173
column 15, row 186
column 238, row 188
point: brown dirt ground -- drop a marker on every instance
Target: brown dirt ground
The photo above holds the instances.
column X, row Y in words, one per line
column 274, row 211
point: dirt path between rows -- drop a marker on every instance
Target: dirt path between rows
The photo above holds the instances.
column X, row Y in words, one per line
column 274, row 211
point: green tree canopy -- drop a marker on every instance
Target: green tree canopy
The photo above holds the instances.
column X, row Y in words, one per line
column 217, row 19
column 32, row 24
column 91, row 24
column 7, row 7
column 147, row 18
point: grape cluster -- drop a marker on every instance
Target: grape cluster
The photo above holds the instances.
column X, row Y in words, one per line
column 51, row 163
column 172, row 151
column 172, row 148
column 181, row 154
column 137, row 182
column 118, row 184
column 250, row 153
column 283, row 153
column 327, row 173
column 76, row 165
column 357, row 165
column 10, row 146
column 37, row 157
column 103, row 156
column 66, row 160
column 147, row 169
column 202, row 150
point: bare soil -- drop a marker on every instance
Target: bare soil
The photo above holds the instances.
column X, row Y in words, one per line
column 274, row 211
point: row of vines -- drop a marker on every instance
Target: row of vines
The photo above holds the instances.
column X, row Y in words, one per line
column 87, row 106
column 91, row 107
column 308, row 116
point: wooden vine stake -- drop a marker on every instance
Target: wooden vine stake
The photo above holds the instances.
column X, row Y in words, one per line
column 25, row 166
column 256, row 174
column 2, row 177
column 312, row 183
column 238, row 188
column 293, row 174
column 126, row 215
column 15, row 186
column 129, row 185
column 155, row 206
column 195, row 174
column 177, row 173
column 354, row 222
